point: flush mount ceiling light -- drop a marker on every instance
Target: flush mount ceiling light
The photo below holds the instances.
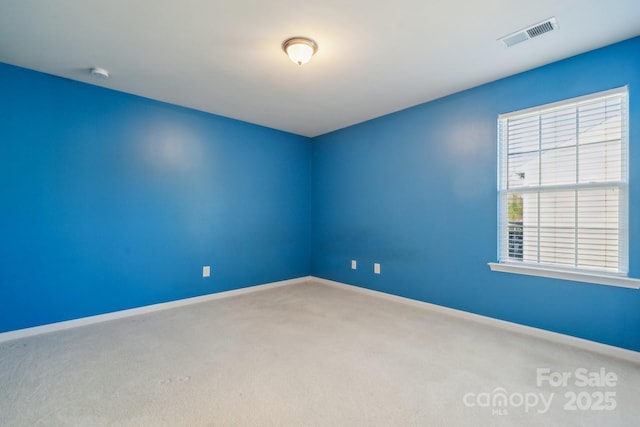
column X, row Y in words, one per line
column 300, row 49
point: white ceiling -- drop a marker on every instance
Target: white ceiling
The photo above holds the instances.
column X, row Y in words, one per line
column 374, row 57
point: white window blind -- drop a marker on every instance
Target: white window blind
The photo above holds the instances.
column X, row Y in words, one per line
column 563, row 184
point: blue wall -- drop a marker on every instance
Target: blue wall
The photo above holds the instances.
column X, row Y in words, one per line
column 416, row 192
column 110, row 201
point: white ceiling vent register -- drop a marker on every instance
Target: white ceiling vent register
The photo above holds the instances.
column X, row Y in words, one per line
column 530, row 32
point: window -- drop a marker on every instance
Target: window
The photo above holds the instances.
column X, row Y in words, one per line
column 563, row 185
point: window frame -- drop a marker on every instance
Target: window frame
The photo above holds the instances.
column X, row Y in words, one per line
column 599, row 276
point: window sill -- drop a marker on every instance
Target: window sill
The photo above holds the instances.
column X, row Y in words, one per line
column 601, row 279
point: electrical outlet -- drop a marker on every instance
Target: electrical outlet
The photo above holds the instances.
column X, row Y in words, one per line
column 354, row 264
column 376, row 268
column 206, row 271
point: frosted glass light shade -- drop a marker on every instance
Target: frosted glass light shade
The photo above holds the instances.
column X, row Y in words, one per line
column 300, row 49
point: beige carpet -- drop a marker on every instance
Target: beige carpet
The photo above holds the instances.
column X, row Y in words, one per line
column 306, row 355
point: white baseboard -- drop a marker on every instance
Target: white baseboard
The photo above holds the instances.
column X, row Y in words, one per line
column 583, row 344
column 59, row 326
column 608, row 350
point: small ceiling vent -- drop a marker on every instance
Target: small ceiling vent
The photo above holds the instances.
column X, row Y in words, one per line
column 530, row 32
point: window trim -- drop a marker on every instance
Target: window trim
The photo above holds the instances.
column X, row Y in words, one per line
column 619, row 279
column 610, row 279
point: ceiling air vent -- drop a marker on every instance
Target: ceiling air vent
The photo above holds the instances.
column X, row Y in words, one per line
column 530, row 32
